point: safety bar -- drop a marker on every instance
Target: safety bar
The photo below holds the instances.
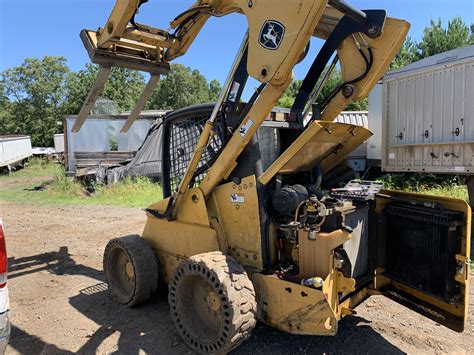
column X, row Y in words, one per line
column 349, row 10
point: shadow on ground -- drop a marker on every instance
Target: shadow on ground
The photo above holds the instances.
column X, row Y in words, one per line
column 57, row 262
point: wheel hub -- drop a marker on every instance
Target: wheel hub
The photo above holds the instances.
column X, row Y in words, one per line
column 212, row 300
column 129, row 270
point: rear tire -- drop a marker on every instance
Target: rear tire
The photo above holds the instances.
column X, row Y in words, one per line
column 131, row 270
column 212, row 303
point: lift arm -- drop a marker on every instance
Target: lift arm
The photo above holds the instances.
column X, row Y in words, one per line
column 278, row 36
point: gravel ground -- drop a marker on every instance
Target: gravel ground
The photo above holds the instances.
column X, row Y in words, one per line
column 59, row 302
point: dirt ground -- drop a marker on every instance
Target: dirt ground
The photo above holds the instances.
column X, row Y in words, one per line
column 59, row 302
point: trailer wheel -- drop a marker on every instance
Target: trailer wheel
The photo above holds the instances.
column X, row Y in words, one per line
column 130, row 269
column 212, row 303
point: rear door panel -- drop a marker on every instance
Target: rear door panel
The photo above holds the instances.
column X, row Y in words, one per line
column 423, row 254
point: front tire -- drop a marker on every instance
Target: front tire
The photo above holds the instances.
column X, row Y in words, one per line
column 212, row 303
column 131, row 270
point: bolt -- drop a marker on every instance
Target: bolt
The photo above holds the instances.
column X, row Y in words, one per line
column 250, row 3
column 347, row 91
column 373, row 30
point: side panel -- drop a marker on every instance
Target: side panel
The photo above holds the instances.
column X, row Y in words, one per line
column 293, row 308
column 190, row 234
column 424, row 249
column 374, row 143
column 235, row 209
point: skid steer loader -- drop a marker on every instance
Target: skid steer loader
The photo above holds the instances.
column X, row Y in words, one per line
column 245, row 231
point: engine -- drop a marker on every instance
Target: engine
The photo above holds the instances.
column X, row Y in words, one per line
column 313, row 232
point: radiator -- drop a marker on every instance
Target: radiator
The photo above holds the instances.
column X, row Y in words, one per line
column 421, row 245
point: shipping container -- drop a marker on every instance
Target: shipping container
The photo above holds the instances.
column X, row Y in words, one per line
column 428, row 115
column 14, row 150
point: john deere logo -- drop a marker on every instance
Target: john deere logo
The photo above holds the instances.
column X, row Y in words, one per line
column 271, row 34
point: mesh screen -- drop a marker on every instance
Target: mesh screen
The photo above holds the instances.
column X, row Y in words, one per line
column 105, row 107
column 184, row 136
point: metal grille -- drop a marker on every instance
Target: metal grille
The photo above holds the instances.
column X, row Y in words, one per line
column 184, row 135
column 421, row 248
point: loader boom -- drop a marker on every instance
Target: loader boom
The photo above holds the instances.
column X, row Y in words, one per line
column 276, row 39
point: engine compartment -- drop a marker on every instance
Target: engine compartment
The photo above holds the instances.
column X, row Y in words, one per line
column 311, row 232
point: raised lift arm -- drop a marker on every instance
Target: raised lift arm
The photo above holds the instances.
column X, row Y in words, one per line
column 278, row 36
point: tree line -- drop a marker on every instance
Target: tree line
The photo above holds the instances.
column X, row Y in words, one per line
column 35, row 96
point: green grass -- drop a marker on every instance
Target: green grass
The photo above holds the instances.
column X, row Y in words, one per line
column 36, row 168
column 459, row 191
column 62, row 190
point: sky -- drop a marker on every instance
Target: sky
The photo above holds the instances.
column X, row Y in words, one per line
column 35, row 28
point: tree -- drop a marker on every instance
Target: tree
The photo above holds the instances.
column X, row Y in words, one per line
column 36, row 91
column 334, row 80
column 437, row 39
column 288, row 98
column 406, row 55
column 123, row 86
column 183, row 87
column 214, row 90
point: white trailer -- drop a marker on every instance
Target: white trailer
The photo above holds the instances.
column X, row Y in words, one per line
column 14, row 150
column 59, row 143
column 428, row 115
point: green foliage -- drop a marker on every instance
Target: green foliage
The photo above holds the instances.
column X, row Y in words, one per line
column 334, row 80
column 183, row 87
column 215, row 89
column 35, row 96
column 436, row 39
column 406, row 55
column 123, row 86
column 289, row 96
column 130, row 192
column 419, row 181
column 37, row 91
column 113, row 145
column 63, row 190
column 427, row 184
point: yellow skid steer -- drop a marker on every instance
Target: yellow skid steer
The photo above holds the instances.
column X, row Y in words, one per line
column 245, row 231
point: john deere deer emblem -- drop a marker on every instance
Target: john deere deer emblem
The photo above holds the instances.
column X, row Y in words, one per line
column 271, row 34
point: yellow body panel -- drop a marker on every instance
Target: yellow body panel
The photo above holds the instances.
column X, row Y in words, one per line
column 237, row 210
column 293, row 308
column 190, row 234
column 315, row 255
column 384, row 48
column 322, row 142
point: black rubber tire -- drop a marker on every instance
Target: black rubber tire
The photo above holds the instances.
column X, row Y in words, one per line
column 130, row 291
column 225, row 317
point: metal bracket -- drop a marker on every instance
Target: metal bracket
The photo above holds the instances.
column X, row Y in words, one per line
column 152, row 83
column 92, row 97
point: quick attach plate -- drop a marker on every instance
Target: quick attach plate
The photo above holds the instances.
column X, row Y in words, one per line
column 123, row 56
